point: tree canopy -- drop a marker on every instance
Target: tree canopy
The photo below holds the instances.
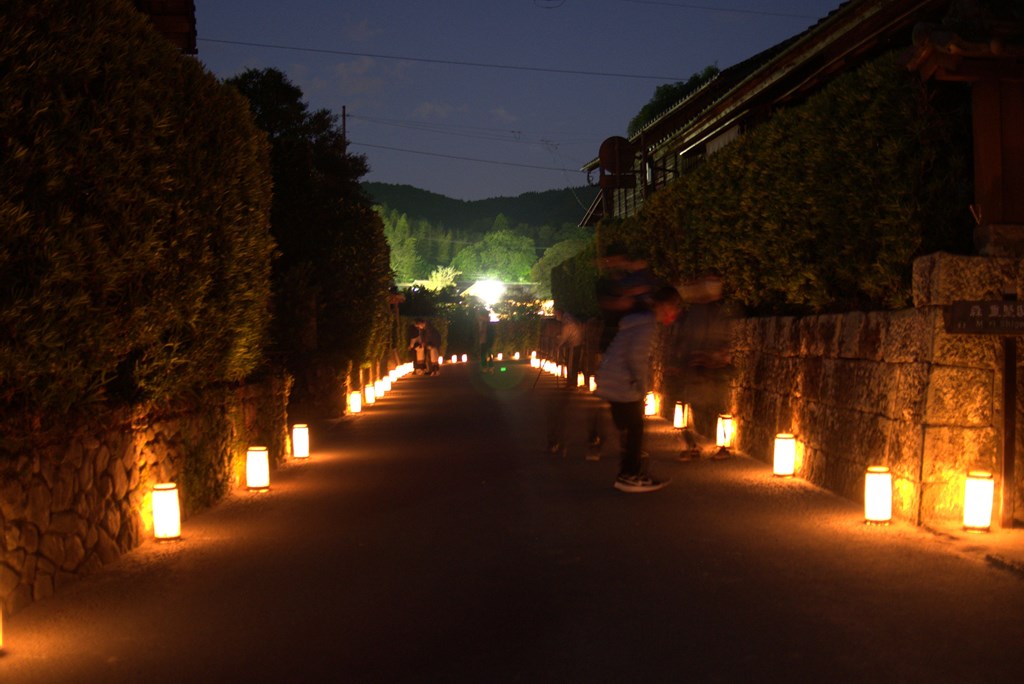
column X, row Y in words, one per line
column 667, row 95
column 332, row 278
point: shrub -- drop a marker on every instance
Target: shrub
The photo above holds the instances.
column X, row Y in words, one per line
column 134, row 209
column 825, row 206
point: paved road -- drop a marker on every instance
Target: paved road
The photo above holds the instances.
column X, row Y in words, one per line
column 432, row 539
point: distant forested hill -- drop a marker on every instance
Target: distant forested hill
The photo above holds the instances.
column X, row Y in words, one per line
column 552, row 207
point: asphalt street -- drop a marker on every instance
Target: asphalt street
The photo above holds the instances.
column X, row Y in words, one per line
column 433, row 538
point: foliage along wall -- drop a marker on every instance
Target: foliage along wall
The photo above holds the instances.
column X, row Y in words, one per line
column 134, row 215
column 332, row 276
column 825, row 206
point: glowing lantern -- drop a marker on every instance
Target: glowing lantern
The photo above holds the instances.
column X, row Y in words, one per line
column 682, row 418
column 515, row 357
column 440, row 360
column 465, row 358
column 455, row 359
column 725, row 434
column 784, row 462
column 378, row 389
column 300, row 440
column 1, row 630
column 651, row 404
column 386, row 382
column 500, row 356
column 581, row 380
column 878, row 495
column 369, row 395
column 978, row 494
column 355, row 402
column 166, row 512
column 257, row 468
column 593, row 384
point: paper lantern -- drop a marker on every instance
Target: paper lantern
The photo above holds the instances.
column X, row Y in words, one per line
column 593, row 384
column 784, row 461
column 455, row 358
column 979, row 490
column 166, row 512
column 878, row 495
column 651, row 404
column 300, row 440
column 369, row 395
column 355, row 402
column 465, row 358
column 682, row 417
column 726, row 431
column 378, row 389
column 257, row 468
column 515, row 357
column 500, row 356
column 581, row 380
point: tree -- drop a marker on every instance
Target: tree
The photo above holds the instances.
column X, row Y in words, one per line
column 335, row 263
column 554, row 256
column 667, row 95
column 501, row 254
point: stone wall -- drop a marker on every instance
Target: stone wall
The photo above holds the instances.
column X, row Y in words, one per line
column 70, row 506
column 881, row 388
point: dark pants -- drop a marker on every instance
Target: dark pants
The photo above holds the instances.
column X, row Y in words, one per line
column 628, row 417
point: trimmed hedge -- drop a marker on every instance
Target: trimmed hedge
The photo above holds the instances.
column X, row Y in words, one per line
column 825, row 206
column 134, row 213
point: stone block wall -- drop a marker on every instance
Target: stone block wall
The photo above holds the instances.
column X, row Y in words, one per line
column 881, row 388
column 68, row 507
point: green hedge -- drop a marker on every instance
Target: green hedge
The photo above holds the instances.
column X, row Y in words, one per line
column 134, row 201
column 824, row 206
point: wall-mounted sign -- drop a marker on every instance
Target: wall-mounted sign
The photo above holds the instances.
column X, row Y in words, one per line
column 994, row 317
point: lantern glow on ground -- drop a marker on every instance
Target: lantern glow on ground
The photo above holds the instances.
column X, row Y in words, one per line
column 257, row 468
column 979, row 490
column 784, row 461
column 166, row 512
column 877, row 495
column 300, row 441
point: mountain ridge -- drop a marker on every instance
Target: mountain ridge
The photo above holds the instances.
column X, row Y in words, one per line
column 549, row 207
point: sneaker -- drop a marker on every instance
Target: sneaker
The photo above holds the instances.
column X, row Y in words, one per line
column 636, row 484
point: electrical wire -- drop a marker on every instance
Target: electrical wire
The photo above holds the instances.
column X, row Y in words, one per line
column 723, row 10
column 483, row 65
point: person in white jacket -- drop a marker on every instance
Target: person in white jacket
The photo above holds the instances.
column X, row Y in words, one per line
column 623, row 379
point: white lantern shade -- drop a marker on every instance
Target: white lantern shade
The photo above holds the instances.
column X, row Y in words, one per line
column 593, row 384
column 355, row 402
column 455, row 358
column 465, row 358
column 878, row 495
column 166, row 511
column 651, row 404
column 386, row 382
column 500, row 356
column 726, row 432
column 581, row 380
column 300, row 440
column 979, row 491
column 440, row 360
column 784, row 461
column 257, row 468
column 682, row 417
column 369, row 395
column 378, row 389
column 515, row 357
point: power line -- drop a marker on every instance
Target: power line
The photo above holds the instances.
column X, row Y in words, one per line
column 427, row 60
column 452, row 156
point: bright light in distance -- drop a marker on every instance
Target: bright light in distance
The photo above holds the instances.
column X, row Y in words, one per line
column 490, row 292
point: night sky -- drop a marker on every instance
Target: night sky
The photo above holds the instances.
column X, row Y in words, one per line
column 486, row 98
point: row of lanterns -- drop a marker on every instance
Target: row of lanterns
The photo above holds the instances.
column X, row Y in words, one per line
column 979, row 488
column 166, row 505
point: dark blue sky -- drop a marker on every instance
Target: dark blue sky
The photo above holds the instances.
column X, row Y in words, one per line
column 430, row 104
